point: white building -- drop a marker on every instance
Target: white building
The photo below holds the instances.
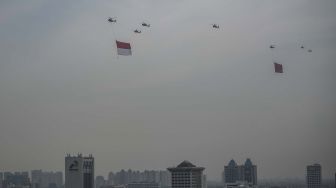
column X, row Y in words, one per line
column 79, row 171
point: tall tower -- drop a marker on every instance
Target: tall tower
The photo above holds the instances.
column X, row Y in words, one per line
column 1, row 179
column 314, row 176
column 186, row 175
column 250, row 172
column 79, row 171
column 235, row 175
column 230, row 174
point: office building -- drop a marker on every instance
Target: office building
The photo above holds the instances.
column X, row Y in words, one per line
column 79, row 171
column 250, row 173
column 100, row 181
column 1, row 179
column 124, row 177
column 314, row 176
column 186, row 175
column 230, row 173
column 240, row 175
column 41, row 179
column 16, row 179
column 204, row 181
column 110, row 180
column 143, row 185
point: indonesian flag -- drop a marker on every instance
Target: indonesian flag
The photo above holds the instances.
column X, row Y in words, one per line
column 123, row 48
column 278, row 68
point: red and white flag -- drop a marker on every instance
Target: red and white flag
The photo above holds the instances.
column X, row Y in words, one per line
column 123, row 48
column 278, row 68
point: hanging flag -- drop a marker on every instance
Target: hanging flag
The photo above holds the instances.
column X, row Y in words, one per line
column 123, row 48
column 278, row 68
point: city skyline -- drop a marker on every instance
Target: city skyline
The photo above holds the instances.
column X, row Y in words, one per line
column 150, row 170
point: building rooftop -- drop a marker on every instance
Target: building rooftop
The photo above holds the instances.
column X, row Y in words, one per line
column 248, row 162
column 185, row 164
column 232, row 163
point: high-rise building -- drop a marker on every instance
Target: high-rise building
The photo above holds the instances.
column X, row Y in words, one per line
column 1, row 179
column 79, row 171
column 100, row 181
column 165, row 179
column 36, row 178
column 42, row 179
column 230, row 173
column 250, row 173
column 314, row 176
column 237, row 175
column 186, row 175
column 110, row 178
column 16, row 179
column 204, row 181
column 123, row 177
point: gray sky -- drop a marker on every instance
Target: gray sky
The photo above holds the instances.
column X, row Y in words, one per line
column 188, row 91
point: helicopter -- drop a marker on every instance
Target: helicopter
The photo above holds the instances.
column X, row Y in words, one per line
column 309, row 50
column 272, row 46
column 137, row 31
column 112, row 20
column 215, row 26
column 145, row 24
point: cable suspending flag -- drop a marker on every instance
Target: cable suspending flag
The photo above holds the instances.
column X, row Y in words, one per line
column 123, row 48
column 278, row 68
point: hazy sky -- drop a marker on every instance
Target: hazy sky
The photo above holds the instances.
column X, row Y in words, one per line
column 188, row 92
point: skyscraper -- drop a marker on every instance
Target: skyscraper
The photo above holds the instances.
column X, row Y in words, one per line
column 79, row 171
column 186, row 175
column 1, row 179
column 314, row 176
column 230, row 173
column 250, row 172
column 235, row 175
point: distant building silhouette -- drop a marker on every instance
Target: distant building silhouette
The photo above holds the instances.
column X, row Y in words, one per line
column 40, row 179
column 230, row 174
column 123, row 177
column 16, row 179
column 79, row 171
column 250, row 172
column 100, row 181
column 314, row 176
column 143, row 185
column 1, row 179
column 186, row 175
column 204, row 181
column 240, row 175
column 114, row 186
